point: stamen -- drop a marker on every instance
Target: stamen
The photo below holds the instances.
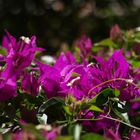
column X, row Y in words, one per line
column 91, row 64
column 25, row 39
column 72, row 81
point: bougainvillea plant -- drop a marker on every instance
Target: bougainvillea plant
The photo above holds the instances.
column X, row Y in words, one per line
column 90, row 94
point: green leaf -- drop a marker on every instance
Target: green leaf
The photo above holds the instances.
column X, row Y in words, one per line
column 93, row 100
column 92, row 136
column 51, row 107
column 67, row 110
column 101, row 100
column 51, row 102
column 75, row 74
column 101, row 97
column 136, row 64
column 3, row 51
column 106, row 42
column 95, row 108
column 120, row 115
column 96, row 48
column 116, row 92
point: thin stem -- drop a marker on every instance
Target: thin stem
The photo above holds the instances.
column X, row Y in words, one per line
column 60, row 122
column 92, row 119
column 114, row 119
column 112, row 80
column 66, row 121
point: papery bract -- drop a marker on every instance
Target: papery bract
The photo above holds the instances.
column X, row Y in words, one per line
column 134, row 135
column 76, row 80
column 115, row 33
column 20, row 54
column 111, row 135
column 113, row 73
column 64, row 60
column 85, row 45
column 30, row 83
column 49, row 79
column 7, row 89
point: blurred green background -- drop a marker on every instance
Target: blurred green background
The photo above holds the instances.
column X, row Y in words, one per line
column 58, row 23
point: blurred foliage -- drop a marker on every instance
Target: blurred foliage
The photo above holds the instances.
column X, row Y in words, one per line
column 58, row 23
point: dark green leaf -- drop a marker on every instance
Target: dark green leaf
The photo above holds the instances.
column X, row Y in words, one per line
column 136, row 64
column 51, row 102
column 53, row 108
column 104, row 92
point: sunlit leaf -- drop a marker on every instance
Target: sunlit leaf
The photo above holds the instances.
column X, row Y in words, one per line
column 3, row 51
column 106, row 42
column 116, row 92
column 95, row 108
column 67, row 110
